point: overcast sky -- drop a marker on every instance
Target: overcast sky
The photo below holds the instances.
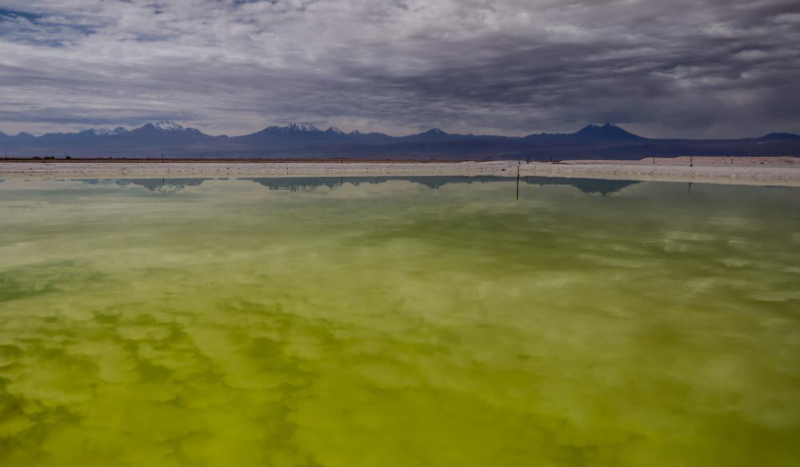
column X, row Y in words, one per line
column 689, row 68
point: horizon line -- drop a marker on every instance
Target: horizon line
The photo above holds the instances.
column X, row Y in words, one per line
column 357, row 131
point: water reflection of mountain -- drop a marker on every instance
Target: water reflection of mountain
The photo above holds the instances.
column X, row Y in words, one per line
column 585, row 185
column 312, row 183
column 152, row 184
column 304, row 184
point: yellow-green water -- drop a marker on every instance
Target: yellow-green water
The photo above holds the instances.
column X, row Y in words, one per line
column 421, row 322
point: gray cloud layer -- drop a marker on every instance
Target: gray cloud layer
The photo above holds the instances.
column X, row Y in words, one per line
column 699, row 68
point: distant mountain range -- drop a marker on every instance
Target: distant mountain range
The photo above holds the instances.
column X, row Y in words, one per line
column 300, row 140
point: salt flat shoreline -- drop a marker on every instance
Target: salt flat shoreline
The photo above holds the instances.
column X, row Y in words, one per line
column 782, row 171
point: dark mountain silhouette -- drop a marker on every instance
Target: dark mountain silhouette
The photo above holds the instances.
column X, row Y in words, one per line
column 299, row 140
column 20, row 137
column 163, row 133
column 293, row 135
column 780, row 137
column 431, row 135
column 607, row 132
column 92, row 134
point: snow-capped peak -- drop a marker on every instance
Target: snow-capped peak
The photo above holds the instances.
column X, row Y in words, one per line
column 302, row 128
column 335, row 131
column 167, row 125
column 104, row 131
column 294, row 128
column 97, row 132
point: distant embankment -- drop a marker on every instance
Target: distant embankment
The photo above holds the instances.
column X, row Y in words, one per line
column 755, row 171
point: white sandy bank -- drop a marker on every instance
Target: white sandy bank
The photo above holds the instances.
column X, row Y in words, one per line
column 753, row 171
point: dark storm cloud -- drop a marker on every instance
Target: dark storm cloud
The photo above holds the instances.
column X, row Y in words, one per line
column 680, row 68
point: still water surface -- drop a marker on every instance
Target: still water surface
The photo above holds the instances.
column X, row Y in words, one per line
column 398, row 322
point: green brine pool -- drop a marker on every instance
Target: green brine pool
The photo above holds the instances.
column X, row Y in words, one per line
column 425, row 321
